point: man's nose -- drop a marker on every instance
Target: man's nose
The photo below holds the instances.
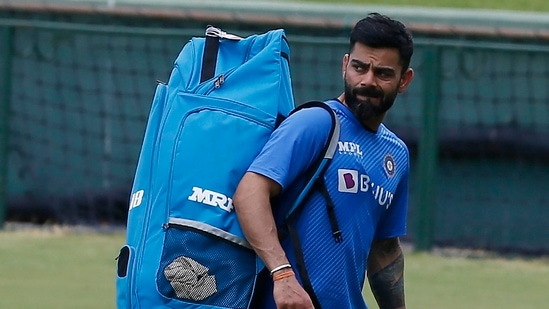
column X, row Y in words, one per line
column 368, row 79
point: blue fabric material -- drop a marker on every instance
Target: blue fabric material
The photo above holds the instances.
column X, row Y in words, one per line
column 368, row 182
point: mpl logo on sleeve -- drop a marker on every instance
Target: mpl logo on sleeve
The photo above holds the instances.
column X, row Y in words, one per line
column 349, row 148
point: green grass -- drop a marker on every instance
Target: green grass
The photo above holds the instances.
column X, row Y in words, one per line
column 59, row 269
column 514, row 5
column 433, row 281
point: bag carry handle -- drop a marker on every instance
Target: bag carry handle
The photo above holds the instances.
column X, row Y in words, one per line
column 215, row 32
column 211, row 47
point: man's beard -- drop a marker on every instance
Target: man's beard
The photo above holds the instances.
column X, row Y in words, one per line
column 364, row 109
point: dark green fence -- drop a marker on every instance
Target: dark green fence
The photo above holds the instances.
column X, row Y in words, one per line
column 75, row 98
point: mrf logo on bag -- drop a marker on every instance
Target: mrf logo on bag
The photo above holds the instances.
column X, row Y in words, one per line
column 212, row 198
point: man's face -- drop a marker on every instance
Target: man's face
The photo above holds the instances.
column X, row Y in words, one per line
column 373, row 78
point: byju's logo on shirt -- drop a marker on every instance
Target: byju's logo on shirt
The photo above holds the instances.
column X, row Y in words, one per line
column 350, row 181
column 349, row 148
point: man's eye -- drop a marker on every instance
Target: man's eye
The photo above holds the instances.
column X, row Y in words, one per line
column 384, row 74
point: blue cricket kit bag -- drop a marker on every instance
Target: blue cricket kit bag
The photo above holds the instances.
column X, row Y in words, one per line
column 185, row 248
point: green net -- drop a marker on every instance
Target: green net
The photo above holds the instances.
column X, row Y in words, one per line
column 80, row 99
column 79, row 106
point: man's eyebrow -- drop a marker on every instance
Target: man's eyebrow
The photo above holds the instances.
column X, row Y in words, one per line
column 362, row 64
column 385, row 69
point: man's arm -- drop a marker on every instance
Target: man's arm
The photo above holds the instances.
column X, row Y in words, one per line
column 253, row 209
column 386, row 273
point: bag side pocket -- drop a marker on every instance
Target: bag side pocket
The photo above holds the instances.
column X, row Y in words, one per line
column 124, row 265
column 202, row 268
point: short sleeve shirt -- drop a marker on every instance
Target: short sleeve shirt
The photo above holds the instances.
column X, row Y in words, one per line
column 368, row 183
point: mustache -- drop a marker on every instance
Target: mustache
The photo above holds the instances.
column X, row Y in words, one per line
column 368, row 92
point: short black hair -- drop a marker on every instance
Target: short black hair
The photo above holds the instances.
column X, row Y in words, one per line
column 379, row 31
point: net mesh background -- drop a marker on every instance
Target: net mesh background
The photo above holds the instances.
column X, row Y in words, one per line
column 80, row 99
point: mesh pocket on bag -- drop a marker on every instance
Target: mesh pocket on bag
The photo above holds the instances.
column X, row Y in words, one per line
column 197, row 267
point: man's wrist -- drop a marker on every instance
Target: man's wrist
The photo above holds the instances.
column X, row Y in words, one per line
column 282, row 274
column 279, row 268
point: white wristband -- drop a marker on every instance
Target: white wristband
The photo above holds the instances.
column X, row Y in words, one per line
column 279, row 268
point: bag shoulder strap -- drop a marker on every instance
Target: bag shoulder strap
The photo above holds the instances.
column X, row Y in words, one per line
column 315, row 182
column 323, row 161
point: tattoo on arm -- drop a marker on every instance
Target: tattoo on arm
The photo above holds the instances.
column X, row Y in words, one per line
column 388, row 284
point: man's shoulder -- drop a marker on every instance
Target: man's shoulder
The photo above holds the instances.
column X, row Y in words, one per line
column 310, row 118
column 388, row 134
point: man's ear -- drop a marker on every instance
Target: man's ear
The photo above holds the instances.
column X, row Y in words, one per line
column 344, row 65
column 405, row 80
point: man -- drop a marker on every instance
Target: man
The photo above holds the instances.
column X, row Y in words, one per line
column 367, row 181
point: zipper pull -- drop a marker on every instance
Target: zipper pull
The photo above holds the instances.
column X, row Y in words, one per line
column 219, row 81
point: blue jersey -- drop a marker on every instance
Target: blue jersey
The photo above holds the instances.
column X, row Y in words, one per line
column 368, row 183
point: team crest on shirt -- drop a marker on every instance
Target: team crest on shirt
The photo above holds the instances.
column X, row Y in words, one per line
column 389, row 165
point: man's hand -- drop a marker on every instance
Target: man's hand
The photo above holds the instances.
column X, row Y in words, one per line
column 289, row 294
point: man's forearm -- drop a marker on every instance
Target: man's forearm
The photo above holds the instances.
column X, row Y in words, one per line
column 386, row 275
column 255, row 215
